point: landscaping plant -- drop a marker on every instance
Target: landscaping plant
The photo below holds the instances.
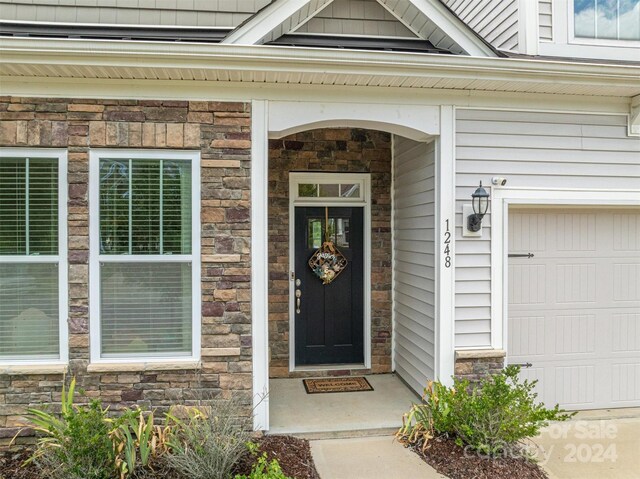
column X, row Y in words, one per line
column 82, row 442
column 262, row 468
column 492, row 417
column 74, row 444
column 209, row 441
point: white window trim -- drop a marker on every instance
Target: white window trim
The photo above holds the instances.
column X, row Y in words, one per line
column 566, row 44
column 95, row 258
column 364, row 201
column 61, row 258
column 501, row 199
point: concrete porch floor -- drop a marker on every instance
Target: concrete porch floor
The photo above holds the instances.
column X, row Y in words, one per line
column 331, row 415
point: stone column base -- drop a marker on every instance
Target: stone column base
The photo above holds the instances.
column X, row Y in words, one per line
column 478, row 363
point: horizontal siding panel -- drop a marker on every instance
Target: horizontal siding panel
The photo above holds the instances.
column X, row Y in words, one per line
column 473, row 341
column 425, row 284
column 535, row 117
column 415, row 234
column 471, row 314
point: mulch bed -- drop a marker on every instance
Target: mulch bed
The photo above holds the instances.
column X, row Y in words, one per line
column 293, row 454
column 446, row 457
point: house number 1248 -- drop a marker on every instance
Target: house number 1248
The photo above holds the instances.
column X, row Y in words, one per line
column 447, row 246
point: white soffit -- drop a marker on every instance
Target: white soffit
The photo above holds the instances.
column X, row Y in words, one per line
column 118, row 59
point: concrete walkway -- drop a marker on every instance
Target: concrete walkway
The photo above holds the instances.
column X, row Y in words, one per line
column 593, row 445
column 368, row 458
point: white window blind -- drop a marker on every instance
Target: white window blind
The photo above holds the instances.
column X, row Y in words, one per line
column 29, row 258
column 145, row 242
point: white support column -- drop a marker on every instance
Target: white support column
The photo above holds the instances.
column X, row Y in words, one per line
column 445, row 234
column 259, row 263
column 528, row 27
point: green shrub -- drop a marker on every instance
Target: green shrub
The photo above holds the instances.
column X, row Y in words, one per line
column 491, row 417
column 209, row 441
column 82, row 442
column 74, row 444
column 263, row 468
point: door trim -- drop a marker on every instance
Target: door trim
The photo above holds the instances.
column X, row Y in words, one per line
column 364, row 179
column 501, row 199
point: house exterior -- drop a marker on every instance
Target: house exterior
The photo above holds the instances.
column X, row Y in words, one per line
column 167, row 170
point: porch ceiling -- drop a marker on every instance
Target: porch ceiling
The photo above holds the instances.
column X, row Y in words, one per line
column 107, row 59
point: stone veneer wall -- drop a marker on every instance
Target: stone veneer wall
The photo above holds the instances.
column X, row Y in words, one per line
column 221, row 131
column 474, row 365
column 330, row 150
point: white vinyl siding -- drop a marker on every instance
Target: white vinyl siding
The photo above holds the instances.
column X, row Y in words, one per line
column 33, row 274
column 414, row 258
column 530, row 149
column 545, row 12
column 494, row 20
column 200, row 13
column 356, row 17
column 145, row 255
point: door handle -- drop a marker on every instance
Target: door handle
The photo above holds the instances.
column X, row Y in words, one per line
column 298, row 295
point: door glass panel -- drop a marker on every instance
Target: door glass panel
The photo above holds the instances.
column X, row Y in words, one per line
column 329, row 191
column 341, row 232
column 350, row 191
column 307, row 190
column 314, row 236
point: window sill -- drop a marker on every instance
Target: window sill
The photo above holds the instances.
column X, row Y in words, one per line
column 142, row 366
column 16, row 369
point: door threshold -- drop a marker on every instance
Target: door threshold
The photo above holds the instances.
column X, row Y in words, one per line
column 327, row 367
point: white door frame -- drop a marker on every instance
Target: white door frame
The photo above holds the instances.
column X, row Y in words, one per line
column 502, row 198
column 364, row 179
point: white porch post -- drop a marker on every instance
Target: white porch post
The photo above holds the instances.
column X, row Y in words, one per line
column 445, row 236
column 259, row 263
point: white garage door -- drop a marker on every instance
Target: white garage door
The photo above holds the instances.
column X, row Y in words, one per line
column 574, row 307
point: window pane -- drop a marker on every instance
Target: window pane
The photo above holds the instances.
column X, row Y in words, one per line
column 145, row 207
column 350, row 191
column 307, row 191
column 607, row 19
column 629, row 20
column 43, row 206
column 329, row 191
column 28, row 206
column 584, row 18
column 176, row 207
column 145, row 309
column 114, row 206
column 315, row 233
column 29, row 311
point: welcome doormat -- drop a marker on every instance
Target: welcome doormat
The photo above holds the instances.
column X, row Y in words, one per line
column 337, row 385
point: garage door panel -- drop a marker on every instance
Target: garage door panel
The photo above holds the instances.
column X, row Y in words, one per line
column 625, row 329
column 574, row 308
column 626, row 281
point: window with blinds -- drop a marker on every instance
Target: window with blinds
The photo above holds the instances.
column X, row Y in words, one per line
column 145, row 257
column 29, row 258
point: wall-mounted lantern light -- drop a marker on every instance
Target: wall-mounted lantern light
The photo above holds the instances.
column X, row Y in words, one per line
column 480, row 203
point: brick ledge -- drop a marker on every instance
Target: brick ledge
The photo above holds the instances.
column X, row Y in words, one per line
column 480, row 353
column 141, row 367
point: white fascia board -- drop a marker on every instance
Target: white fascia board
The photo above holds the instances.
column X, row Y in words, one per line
column 139, row 56
column 455, row 28
column 264, row 22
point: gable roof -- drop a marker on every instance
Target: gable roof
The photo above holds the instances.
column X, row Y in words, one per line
column 428, row 19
